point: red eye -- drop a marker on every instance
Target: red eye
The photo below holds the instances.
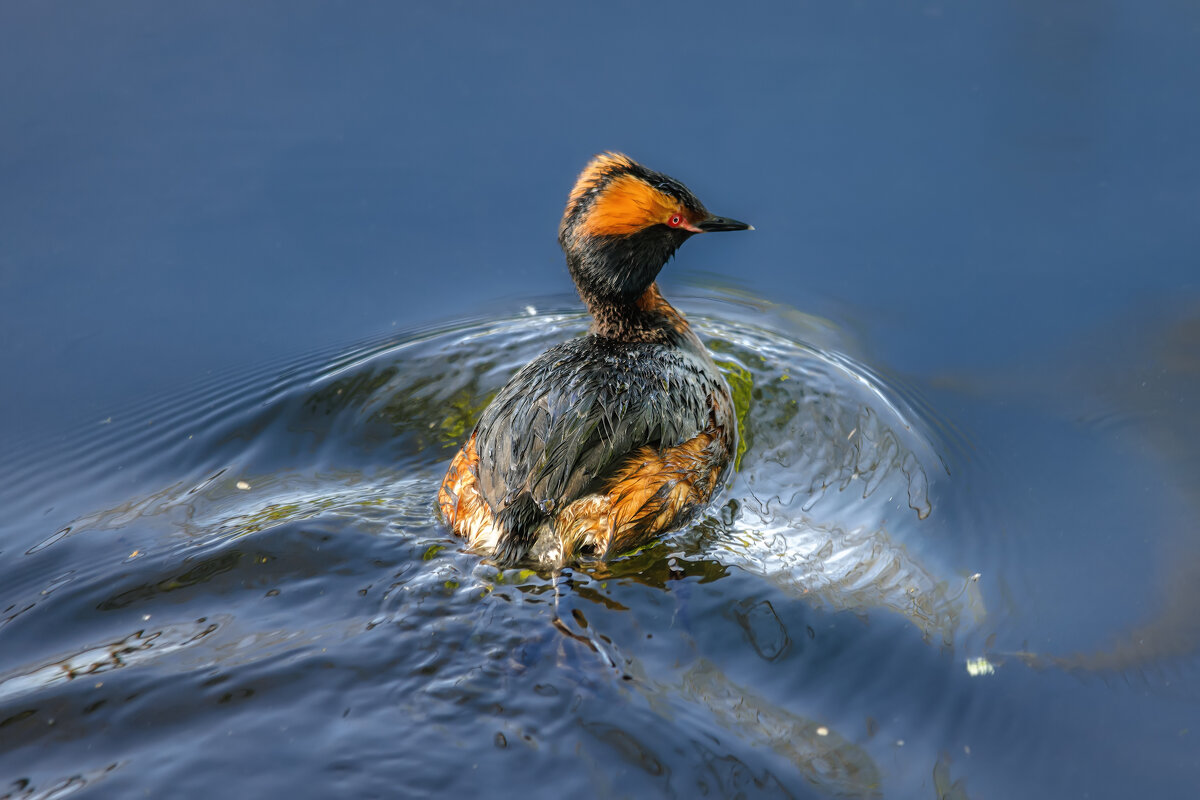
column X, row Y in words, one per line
column 675, row 221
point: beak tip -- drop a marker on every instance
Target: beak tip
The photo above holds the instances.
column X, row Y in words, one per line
column 715, row 223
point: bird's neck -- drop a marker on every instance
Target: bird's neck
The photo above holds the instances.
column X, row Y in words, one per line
column 649, row 318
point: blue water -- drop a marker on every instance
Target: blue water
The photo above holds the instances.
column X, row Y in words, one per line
column 292, row 247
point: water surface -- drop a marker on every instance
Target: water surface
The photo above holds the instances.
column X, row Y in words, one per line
column 260, row 268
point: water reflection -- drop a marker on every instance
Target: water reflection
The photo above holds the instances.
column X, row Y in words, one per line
column 824, row 757
column 830, row 456
column 1131, row 387
column 300, row 531
column 137, row 647
column 25, row 789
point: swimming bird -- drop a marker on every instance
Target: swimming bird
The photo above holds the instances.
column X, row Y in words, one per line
column 605, row 441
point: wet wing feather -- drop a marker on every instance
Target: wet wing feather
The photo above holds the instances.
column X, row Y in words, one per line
column 567, row 420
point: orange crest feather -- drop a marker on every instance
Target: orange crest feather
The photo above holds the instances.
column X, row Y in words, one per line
column 625, row 204
column 595, row 171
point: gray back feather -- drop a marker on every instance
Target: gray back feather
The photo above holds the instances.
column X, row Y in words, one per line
column 568, row 419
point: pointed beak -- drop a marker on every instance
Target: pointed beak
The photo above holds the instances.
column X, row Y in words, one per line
column 713, row 224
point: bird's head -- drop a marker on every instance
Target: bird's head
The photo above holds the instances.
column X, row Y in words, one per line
column 623, row 222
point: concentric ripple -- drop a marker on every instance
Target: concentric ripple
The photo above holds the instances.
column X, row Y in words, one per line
column 223, row 543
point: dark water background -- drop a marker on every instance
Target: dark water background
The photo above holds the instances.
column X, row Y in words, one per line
column 260, row 266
